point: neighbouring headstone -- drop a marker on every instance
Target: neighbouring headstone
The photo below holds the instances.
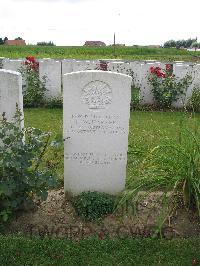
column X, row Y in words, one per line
column 67, row 66
column 96, row 124
column 51, row 70
column 180, row 70
column 135, row 67
column 118, row 67
column 195, row 81
column 146, row 95
column 84, row 65
column 12, row 64
column 10, row 94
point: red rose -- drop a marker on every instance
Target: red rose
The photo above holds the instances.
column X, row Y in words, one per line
column 35, row 66
column 159, row 74
column 151, row 69
column 168, row 67
column 30, row 59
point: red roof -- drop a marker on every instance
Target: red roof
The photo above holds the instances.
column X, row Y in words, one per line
column 15, row 42
column 95, row 43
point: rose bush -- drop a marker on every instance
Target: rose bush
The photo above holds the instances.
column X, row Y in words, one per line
column 34, row 90
column 165, row 86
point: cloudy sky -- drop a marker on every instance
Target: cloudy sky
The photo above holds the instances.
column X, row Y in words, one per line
column 72, row 22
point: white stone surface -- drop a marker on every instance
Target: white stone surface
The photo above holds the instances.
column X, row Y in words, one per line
column 96, row 124
column 146, row 96
column 118, row 67
column 180, row 71
column 196, row 81
column 51, row 69
column 135, row 67
column 67, row 66
column 10, row 94
column 84, row 65
column 12, row 64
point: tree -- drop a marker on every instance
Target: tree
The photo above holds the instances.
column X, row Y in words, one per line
column 45, row 43
column 1, row 41
column 180, row 43
column 170, row 44
column 5, row 39
column 195, row 45
column 18, row 38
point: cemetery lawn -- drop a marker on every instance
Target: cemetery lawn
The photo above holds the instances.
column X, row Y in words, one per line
column 146, row 130
column 17, row 251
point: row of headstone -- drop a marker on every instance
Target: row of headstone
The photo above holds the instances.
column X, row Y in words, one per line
column 53, row 71
column 96, row 124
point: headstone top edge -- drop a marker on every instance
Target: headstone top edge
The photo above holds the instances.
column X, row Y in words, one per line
column 97, row 72
column 10, row 72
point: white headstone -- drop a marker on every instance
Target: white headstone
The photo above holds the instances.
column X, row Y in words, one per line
column 84, row 65
column 51, row 69
column 180, row 71
column 195, row 81
column 116, row 67
column 146, row 95
column 10, row 94
column 96, row 124
column 67, row 66
column 135, row 67
column 12, row 64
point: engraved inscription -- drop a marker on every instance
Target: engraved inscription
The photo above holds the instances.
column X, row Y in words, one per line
column 91, row 158
column 95, row 124
column 97, row 95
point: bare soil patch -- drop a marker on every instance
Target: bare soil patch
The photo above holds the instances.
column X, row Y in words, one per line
column 56, row 217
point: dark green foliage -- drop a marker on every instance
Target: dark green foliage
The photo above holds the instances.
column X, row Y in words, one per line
column 180, row 43
column 54, row 103
column 22, row 171
column 5, row 39
column 170, row 44
column 2, row 41
column 45, row 43
column 135, row 98
column 33, row 93
column 93, row 205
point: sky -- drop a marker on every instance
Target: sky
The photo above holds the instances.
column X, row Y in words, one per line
column 72, row 22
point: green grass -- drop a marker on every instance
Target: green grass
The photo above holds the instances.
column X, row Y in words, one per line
column 146, row 130
column 81, row 52
column 33, row 251
column 49, row 120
